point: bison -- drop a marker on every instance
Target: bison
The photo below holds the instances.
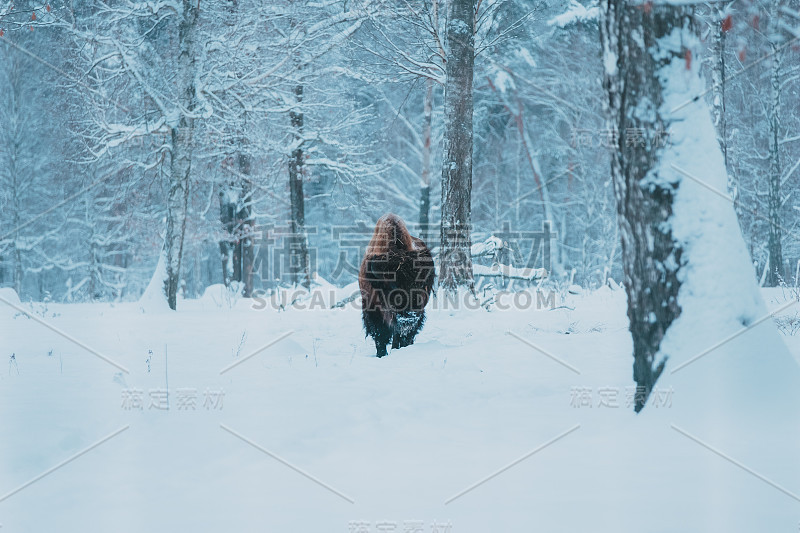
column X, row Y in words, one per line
column 396, row 279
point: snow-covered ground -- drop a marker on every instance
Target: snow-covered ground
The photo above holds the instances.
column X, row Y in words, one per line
column 315, row 434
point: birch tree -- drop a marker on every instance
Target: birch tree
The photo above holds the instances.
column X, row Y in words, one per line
column 181, row 124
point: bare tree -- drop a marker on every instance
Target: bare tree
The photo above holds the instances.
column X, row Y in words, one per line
column 237, row 248
column 427, row 142
column 181, row 145
column 775, row 199
column 299, row 268
column 455, row 262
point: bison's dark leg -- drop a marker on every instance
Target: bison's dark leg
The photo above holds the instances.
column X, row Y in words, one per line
column 396, row 341
column 382, row 338
column 378, row 330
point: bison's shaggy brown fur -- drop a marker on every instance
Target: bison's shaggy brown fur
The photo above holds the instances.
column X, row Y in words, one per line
column 396, row 279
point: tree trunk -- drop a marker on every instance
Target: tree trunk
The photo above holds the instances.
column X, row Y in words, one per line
column 298, row 261
column 775, row 250
column 182, row 135
column 636, row 44
column 718, row 85
column 246, row 224
column 236, row 216
column 94, row 268
column 719, row 109
column 454, row 255
column 425, row 190
column 18, row 272
column 227, row 212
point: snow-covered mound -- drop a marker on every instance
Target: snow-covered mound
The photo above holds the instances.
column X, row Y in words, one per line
column 154, row 299
column 9, row 295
